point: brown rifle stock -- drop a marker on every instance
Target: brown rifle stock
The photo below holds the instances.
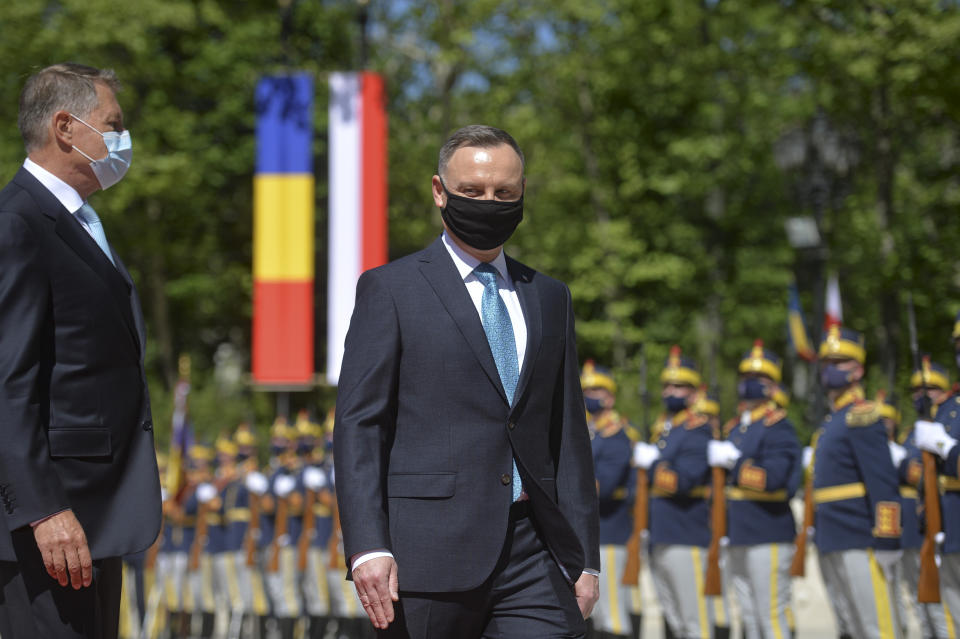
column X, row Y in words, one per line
column 306, row 536
column 798, row 565
column 334, row 545
column 280, row 530
column 200, row 538
column 712, row 586
column 928, row 584
column 253, row 530
column 641, row 504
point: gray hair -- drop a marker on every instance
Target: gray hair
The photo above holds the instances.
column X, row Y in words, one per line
column 478, row 135
column 62, row 87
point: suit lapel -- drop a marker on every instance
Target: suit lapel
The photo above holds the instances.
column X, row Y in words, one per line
column 439, row 270
column 68, row 228
column 530, row 303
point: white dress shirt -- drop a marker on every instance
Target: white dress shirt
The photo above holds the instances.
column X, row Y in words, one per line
column 66, row 194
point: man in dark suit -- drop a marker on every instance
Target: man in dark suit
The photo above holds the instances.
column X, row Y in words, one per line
column 463, row 461
column 78, row 478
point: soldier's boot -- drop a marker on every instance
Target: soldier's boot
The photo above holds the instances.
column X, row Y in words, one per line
column 846, row 636
column 263, row 626
column 318, row 626
column 636, row 626
column 207, row 621
column 287, row 626
column 721, row 632
column 668, row 631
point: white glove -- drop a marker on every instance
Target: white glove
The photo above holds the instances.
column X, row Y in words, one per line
column 313, row 478
column 283, row 485
column 887, row 560
column 722, row 454
column 940, row 537
column 645, row 454
column 257, row 483
column 807, row 457
column 206, row 492
column 897, row 453
column 933, row 437
column 164, row 495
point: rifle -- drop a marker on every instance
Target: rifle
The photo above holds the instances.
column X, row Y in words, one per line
column 641, row 501
column 280, row 531
column 333, row 547
column 928, row 584
column 309, row 524
column 253, row 530
column 712, row 586
column 200, row 538
column 798, row 565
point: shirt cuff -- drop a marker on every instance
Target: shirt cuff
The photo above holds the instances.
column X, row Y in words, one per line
column 34, row 524
column 362, row 558
column 591, row 571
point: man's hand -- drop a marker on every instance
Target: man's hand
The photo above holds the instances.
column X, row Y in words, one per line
column 377, row 586
column 587, row 590
column 63, row 545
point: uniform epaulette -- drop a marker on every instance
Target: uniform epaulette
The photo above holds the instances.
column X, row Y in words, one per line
column 775, row 416
column 696, row 421
column 731, row 423
column 865, row 413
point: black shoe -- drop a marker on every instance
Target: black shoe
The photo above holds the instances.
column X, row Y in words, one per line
column 721, row 632
column 636, row 626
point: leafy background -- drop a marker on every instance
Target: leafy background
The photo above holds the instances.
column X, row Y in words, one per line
column 653, row 130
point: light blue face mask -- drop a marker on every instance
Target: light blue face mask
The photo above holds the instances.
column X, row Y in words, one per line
column 111, row 169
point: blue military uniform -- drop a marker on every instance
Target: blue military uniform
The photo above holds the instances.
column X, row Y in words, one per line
column 857, row 499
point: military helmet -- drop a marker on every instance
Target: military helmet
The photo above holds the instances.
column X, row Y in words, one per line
column 931, row 375
column 780, row 396
column 705, row 403
column 762, row 361
column 680, row 370
column 596, row 377
column 888, row 406
column 840, row 342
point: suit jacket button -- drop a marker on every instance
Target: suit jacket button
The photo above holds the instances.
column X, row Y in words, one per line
column 505, row 479
column 511, row 425
column 147, row 424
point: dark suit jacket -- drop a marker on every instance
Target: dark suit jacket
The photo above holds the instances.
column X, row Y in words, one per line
column 75, row 426
column 424, row 435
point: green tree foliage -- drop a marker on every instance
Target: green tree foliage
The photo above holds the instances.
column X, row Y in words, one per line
column 651, row 128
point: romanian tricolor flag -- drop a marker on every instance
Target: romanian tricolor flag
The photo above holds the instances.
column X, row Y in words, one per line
column 796, row 329
column 283, row 231
column 358, row 197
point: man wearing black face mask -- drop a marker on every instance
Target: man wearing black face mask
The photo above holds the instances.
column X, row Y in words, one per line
column 464, row 475
column 762, row 456
column 856, row 493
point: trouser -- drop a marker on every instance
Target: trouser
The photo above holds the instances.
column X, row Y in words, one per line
column 129, row 622
column 316, row 590
column 678, row 576
column 154, row 617
column 760, row 579
column 933, row 622
column 253, row 595
column 862, row 589
column 525, row 596
column 33, row 604
column 950, row 590
column 198, row 593
column 283, row 585
column 612, row 611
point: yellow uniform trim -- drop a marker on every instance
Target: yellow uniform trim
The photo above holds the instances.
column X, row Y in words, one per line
column 949, row 484
column 909, row 492
column 839, row 492
column 235, row 515
column 613, row 590
column 774, row 573
column 746, row 494
column 620, row 492
column 206, row 568
column 233, row 589
column 317, row 564
column 719, row 612
column 260, row 606
column 289, row 570
column 701, row 599
column 283, row 212
column 680, row 375
column 697, row 492
column 948, row 618
column 881, row 598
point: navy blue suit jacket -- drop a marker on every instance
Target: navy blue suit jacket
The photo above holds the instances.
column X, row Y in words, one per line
column 424, row 434
column 75, row 425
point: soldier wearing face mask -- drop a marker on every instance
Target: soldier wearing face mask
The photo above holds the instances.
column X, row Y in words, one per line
column 856, row 495
column 615, row 614
column 940, row 437
column 762, row 456
column 679, row 508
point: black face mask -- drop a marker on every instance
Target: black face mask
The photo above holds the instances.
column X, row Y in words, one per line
column 482, row 224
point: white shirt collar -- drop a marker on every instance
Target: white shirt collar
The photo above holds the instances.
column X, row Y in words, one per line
column 66, row 194
column 466, row 263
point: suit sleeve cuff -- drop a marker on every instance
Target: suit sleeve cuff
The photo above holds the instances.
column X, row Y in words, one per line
column 361, row 558
column 34, row 524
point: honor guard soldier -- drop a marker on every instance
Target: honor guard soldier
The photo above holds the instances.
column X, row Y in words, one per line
column 222, row 539
column 679, row 510
column 245, row 535
column 762, row 457
column 613, row 615
column 907, row 460
column 856, row 493
column 940, row 437
column 200, row 509
column 281, row 561
column 158, row 564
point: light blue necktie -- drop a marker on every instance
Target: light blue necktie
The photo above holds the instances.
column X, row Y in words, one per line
column 503, row 343
column 88, row 216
